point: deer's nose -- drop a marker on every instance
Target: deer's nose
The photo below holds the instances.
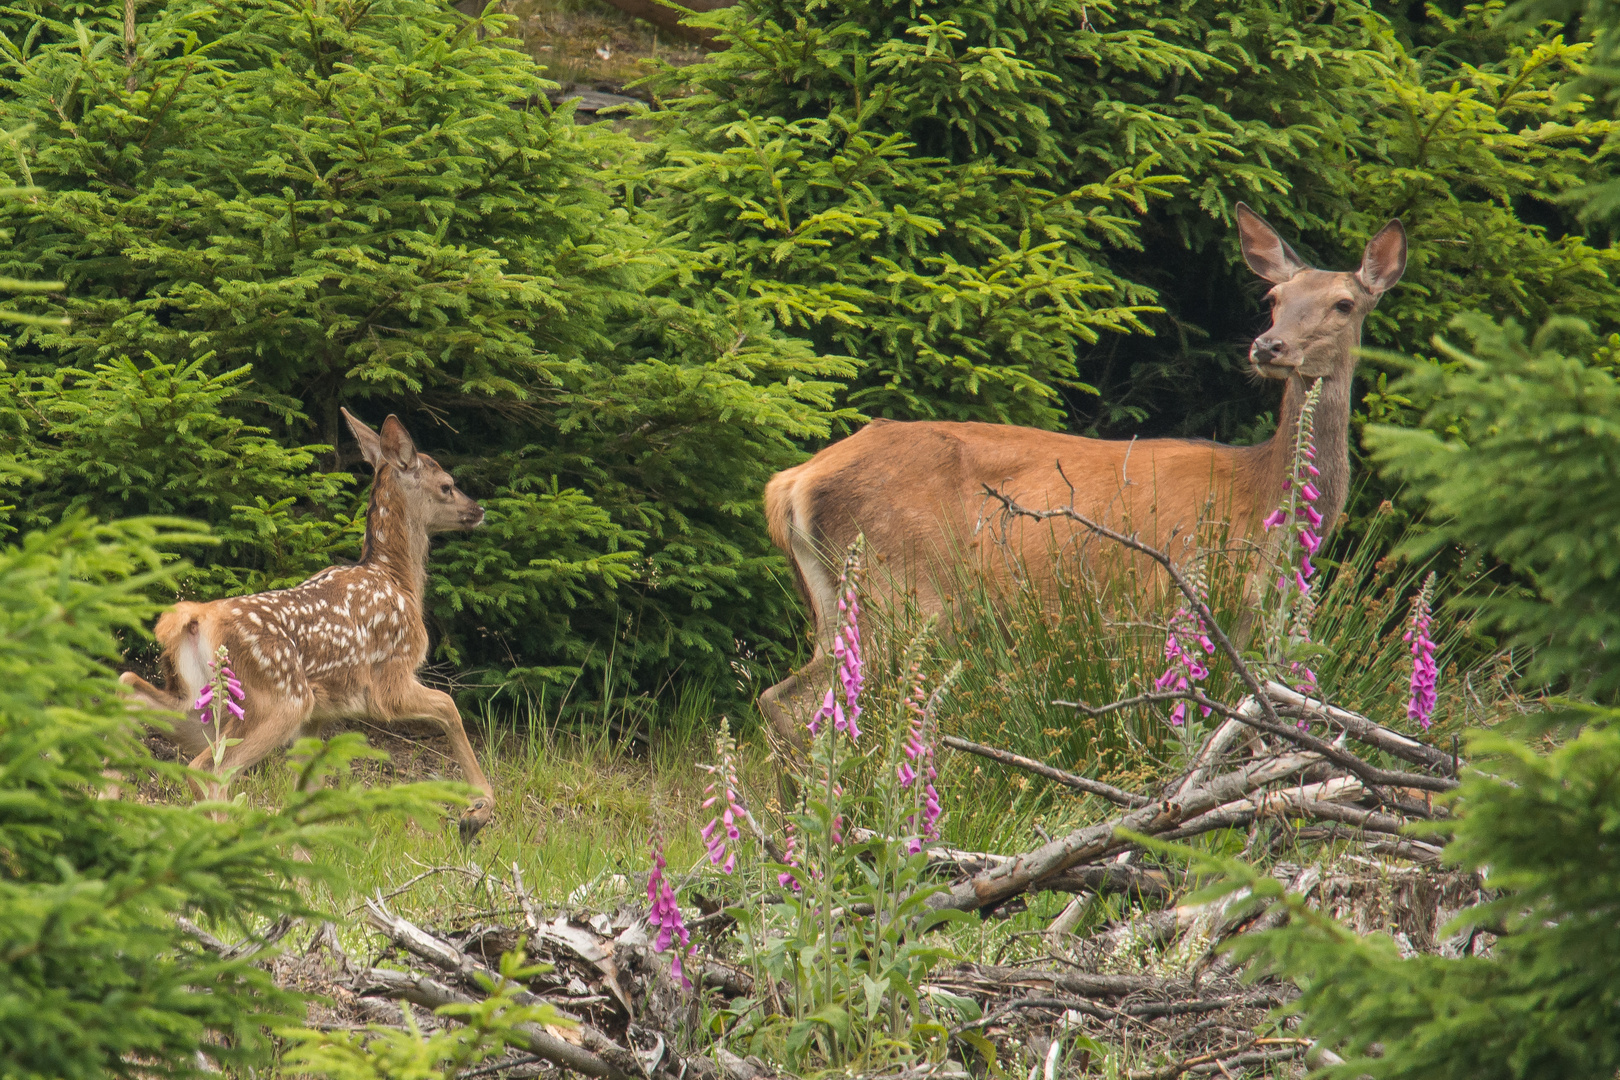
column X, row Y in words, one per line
column 1265, row 349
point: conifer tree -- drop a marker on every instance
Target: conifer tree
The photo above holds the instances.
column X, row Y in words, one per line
column 265, row 211
column 96, row 976
column 893, row 174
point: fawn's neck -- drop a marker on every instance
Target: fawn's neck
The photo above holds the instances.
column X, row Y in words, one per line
column 396, row 544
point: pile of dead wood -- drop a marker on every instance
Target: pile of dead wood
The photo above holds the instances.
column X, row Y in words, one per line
column 1154, row 983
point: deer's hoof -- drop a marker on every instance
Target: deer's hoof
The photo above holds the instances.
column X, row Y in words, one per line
column 476, row 817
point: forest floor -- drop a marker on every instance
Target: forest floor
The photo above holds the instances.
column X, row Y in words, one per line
column 568, row 850
column 586, row 45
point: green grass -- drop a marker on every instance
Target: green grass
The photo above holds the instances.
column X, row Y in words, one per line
column 575, row 806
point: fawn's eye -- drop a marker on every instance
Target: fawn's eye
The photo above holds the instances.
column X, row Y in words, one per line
column 1344, row 307
column 444, row 489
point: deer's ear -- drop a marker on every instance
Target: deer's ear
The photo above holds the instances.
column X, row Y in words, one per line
column 370, row 443
column 398, row 449
column 1266, row 253
column 1384, row 261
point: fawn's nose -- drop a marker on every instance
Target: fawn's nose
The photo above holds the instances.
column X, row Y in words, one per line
column 1266, row 349
column 473, row 518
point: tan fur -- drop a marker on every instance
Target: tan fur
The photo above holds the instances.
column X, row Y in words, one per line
column 916, row 491
column 344, row 645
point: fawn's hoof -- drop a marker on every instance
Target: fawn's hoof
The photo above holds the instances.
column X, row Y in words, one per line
column 476, row 817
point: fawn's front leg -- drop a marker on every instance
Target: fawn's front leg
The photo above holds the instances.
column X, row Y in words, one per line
column 413, row 701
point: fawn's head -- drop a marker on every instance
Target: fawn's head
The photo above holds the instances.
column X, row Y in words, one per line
column 1316, row 315
column 428, row 494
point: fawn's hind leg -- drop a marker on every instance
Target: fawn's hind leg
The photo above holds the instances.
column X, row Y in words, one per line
column 268, row 723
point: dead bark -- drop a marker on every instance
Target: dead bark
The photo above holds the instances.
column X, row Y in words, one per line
column 432, row 994
column 1364, row 730
column 1023, row 872
column 1113, row 794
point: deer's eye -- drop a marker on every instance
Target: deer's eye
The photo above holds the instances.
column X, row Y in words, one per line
column 444, row 489
column 1345, row 307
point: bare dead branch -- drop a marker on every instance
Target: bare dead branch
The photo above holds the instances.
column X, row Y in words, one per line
column 1270, row 722
column 1364, row 730
column 1113, row 794
column 432, row 994
column 1197, row 603
column 1213, row 1064
column 1023, row 872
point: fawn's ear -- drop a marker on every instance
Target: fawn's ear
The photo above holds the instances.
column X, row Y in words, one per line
column 1266, row 253
column 370, row 444
column 397, row 446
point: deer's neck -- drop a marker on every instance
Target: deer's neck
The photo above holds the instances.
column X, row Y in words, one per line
column 1332, row 437
column 395, row 543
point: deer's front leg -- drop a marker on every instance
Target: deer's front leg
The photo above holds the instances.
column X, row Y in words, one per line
column 413, row 701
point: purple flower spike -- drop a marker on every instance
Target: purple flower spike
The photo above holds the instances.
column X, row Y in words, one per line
column 723, row 829
column 666, row 915
column 1276, row 518
column 918, row 775
column 1186, row 635
column 1425, row 672
column 222, row 693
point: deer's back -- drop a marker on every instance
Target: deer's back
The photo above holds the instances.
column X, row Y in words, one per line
column 917, row 493
column 323, row 641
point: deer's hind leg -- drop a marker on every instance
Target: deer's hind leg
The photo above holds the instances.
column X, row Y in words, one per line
column 270, row 720
column 408, row 699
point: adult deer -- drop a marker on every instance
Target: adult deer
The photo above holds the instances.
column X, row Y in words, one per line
column 916, row 490
column 344, row 645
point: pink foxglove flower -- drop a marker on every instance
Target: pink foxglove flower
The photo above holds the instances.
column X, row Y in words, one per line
column 664, row 913
column 1300, row 493
column 222, row 693
column 724, row 827
column 1186, row 635
column 790, row 856
column 1425, row 673
column 845, row 714
column 917, row 773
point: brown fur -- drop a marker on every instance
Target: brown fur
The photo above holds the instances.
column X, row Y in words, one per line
column 916, row 491
column 344, row 645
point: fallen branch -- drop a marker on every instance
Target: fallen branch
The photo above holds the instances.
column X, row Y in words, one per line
column 242, row 949
column 1113, row 794
column 477, row 976
column 1022, row 872
column 1364, row 730
column 1213, row 1063
column 432, row 994
column 1411, row 850
column 1111, row 878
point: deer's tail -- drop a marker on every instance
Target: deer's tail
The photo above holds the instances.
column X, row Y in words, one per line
column 790, row 519
column 187, row 647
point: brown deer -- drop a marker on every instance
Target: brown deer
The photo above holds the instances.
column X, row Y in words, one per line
column 917, row 490
column 344, row 645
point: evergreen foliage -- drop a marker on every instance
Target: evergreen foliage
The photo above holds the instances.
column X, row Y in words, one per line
column 1012, row 210
column 1516, row 458
column 96, row 978
column 264, row 211
column 484, row 1030
column 894, row 173
column 1541, row 827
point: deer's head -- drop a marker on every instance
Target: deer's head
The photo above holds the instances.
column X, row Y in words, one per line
column 1316, row 315
column 427, row 494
